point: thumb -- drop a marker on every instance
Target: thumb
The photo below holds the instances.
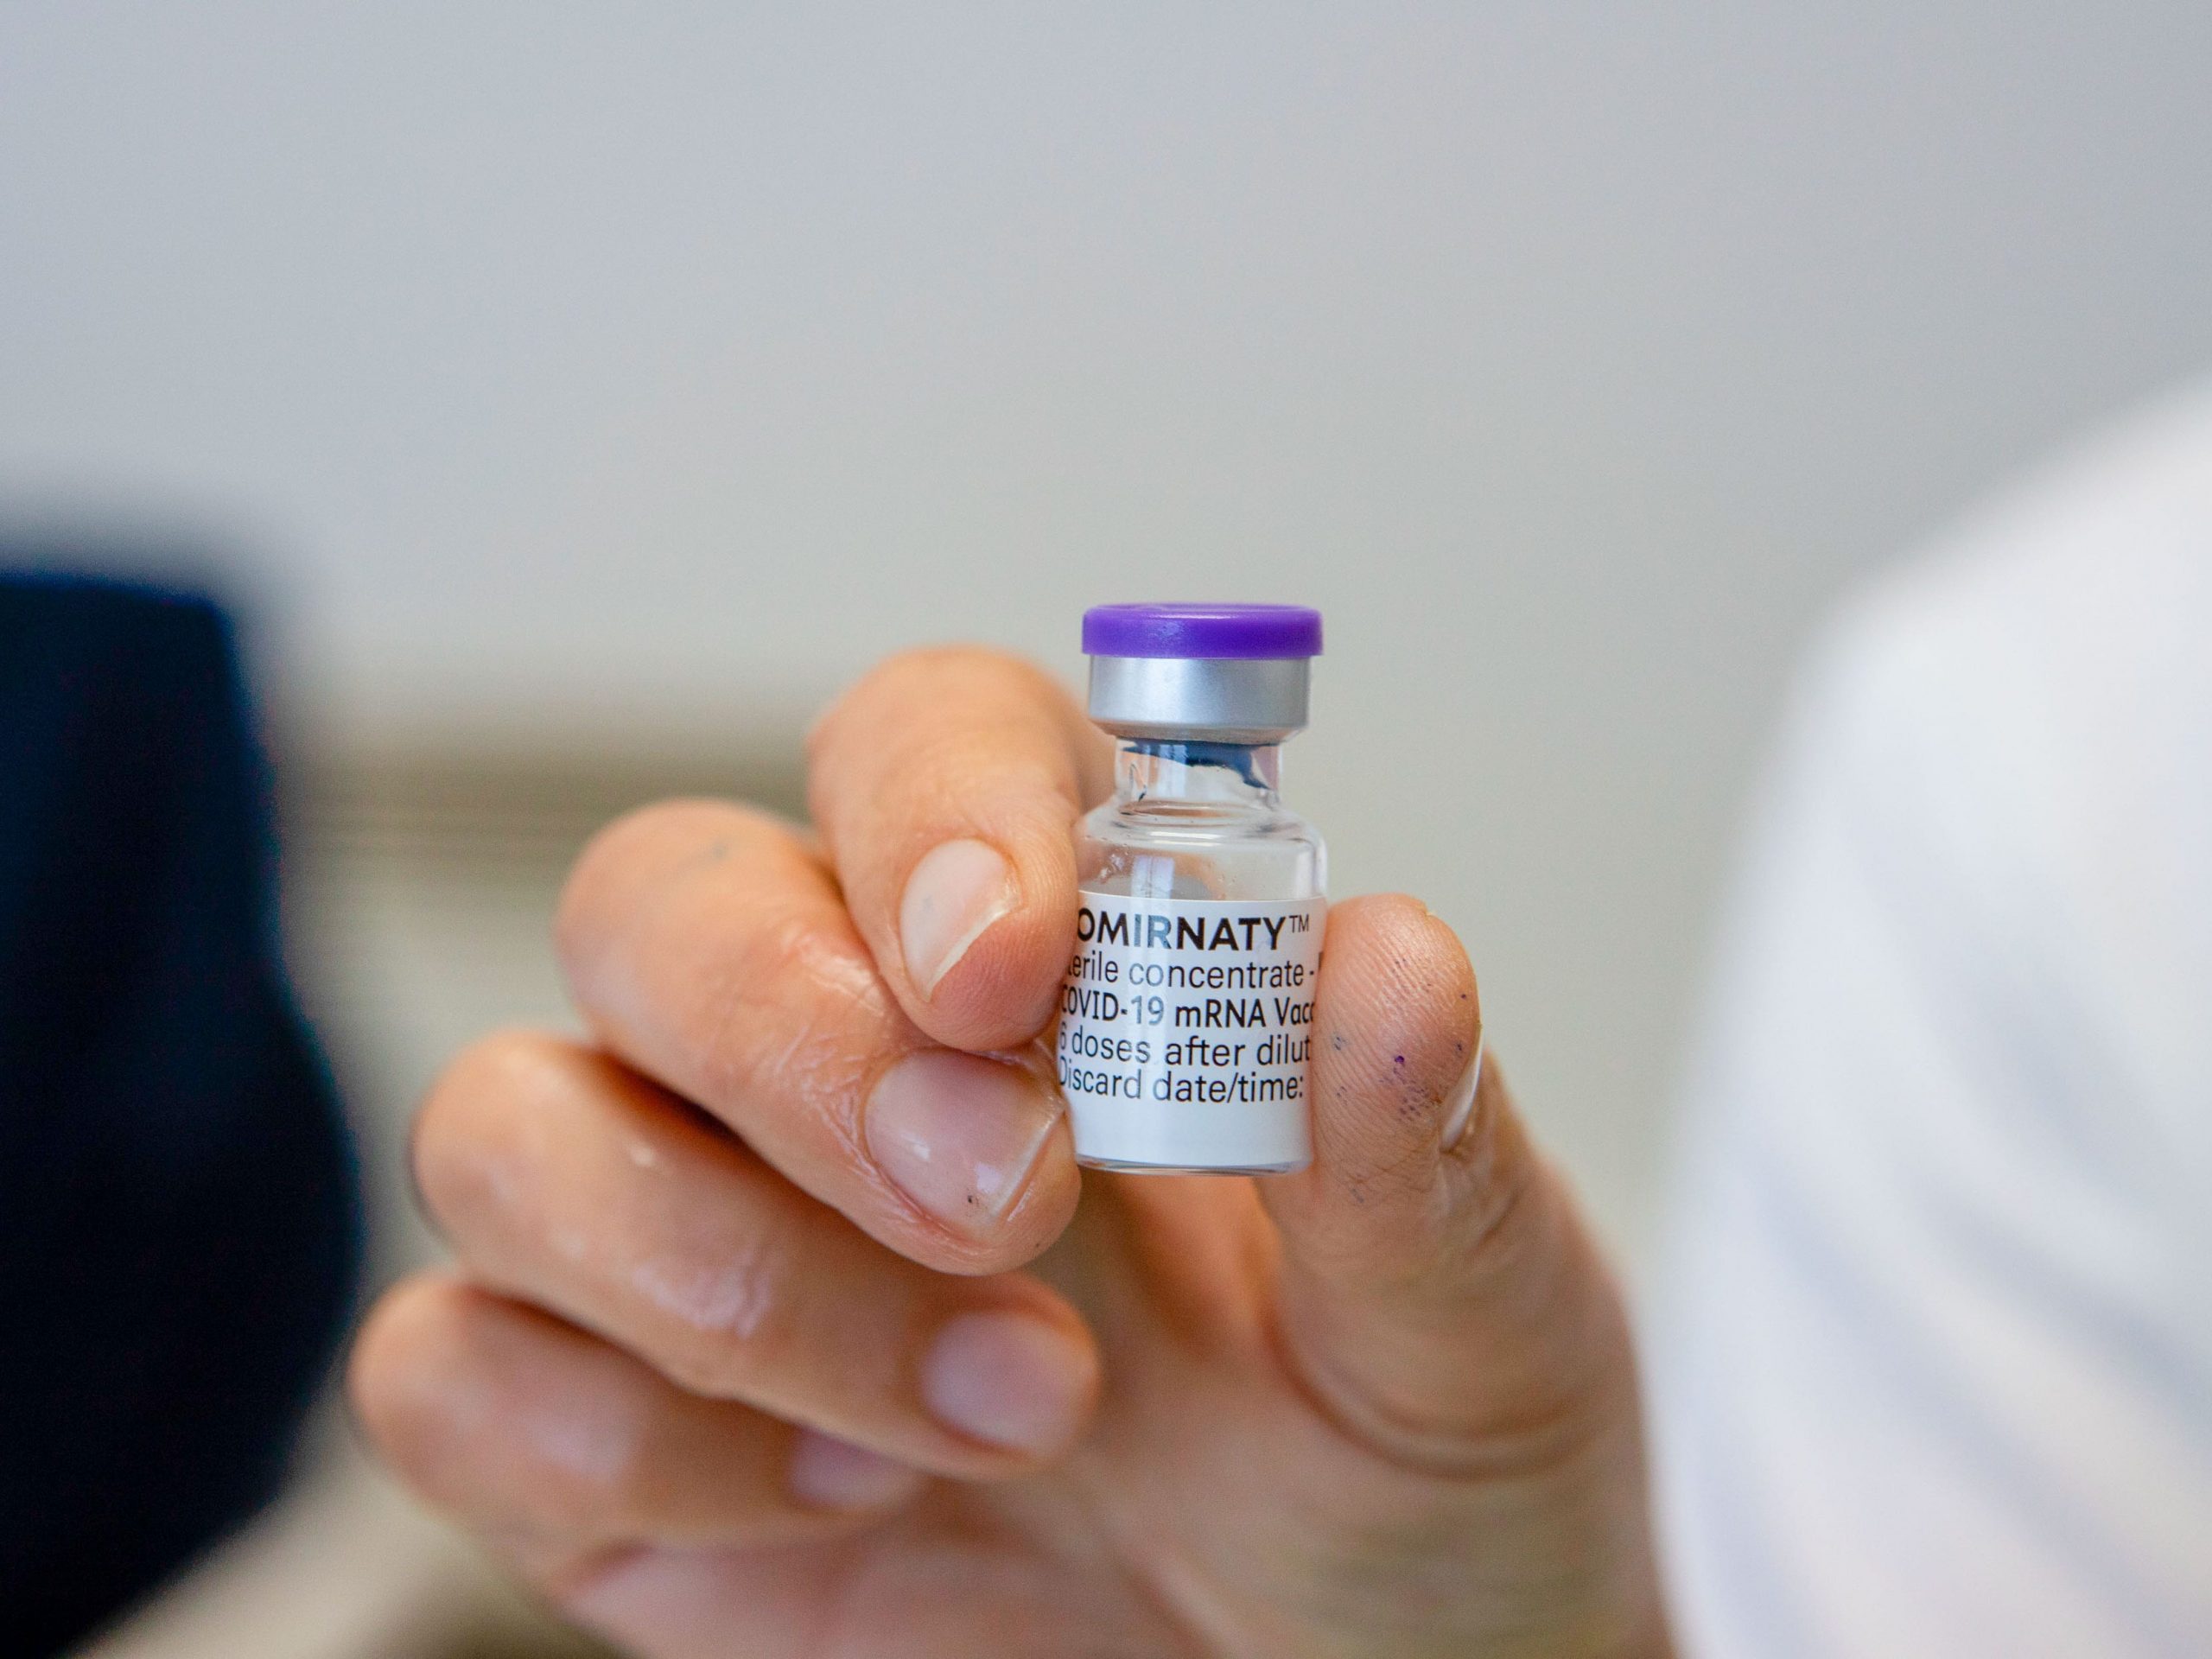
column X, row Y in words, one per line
column 1441, row 1295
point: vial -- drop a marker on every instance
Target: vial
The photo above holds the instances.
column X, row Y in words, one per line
column 1187, row 1020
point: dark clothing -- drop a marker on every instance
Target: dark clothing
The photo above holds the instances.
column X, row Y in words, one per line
column 179, row 1224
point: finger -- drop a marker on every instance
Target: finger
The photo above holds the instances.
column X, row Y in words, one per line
column 526, row 1427
column 690, row 1604
column 945, row 786
column 561, row 1177
column 926, row 1591
column 710, row 949
column 1440, row 1294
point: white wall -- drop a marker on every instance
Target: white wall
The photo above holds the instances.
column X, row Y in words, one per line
column 532, row 363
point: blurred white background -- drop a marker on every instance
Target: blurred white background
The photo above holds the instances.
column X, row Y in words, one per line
column 532, row 370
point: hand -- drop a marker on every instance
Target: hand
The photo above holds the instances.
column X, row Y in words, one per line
column 779, row 1328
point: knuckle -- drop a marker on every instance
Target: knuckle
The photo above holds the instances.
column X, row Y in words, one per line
column 404, row 1347
column 646, row 840
column 469, row 1110
column 738, row 1317
column 890, row 680
column 427, row 1382
column 797, row 1009
column 614, row 842
column 931, row 667
column 612, row 1496
column 783, row 949
column 941, row 677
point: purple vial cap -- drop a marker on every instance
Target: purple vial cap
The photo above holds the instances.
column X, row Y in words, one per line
column 1270, row 633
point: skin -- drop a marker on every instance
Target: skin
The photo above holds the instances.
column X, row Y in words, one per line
column 1387, row 1406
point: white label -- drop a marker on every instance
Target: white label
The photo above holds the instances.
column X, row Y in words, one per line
column 1186, row 1026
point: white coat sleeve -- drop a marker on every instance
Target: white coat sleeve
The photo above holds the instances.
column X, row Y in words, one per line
column 1930, row 1371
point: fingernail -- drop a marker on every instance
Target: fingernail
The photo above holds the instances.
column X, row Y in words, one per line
column 958, row 1134
column 956, row 892
column 1007, row 1379
column 829, row 1473
column 1459, row 1111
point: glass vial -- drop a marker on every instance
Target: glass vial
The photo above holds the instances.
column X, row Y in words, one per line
column 1186, row 1019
